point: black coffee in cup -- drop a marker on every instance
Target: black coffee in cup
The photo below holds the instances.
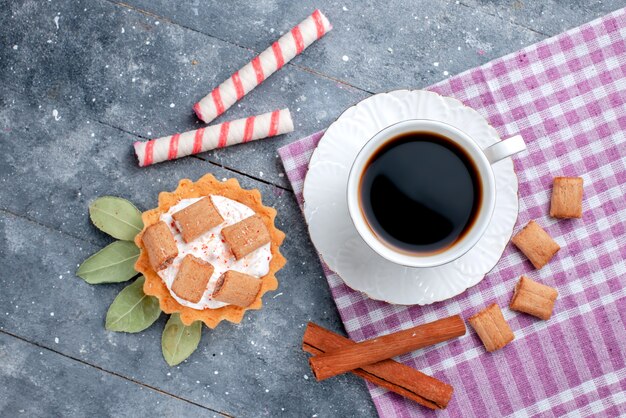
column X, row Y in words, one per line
column 420, row 193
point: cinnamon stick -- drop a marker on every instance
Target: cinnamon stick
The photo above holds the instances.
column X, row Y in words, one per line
column 394, row 376
column 377, row 349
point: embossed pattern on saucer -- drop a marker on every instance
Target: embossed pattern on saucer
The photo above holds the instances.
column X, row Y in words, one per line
column 332, row 231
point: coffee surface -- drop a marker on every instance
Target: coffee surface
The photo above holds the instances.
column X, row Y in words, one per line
column 420, row 192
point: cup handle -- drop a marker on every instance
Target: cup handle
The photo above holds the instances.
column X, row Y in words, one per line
column 505, row 148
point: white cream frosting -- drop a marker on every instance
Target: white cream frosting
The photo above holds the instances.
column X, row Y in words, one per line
column 210, row 247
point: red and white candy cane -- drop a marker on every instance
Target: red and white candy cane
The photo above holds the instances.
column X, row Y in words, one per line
column 265, row 64
column 216, row 136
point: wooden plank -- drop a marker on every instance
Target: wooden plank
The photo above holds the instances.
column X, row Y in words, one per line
column 373, row 46
column 37, row 381
column 140, row 74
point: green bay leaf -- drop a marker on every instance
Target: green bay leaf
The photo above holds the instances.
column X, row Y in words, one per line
column 116, row 216
column 113, row 264
column 179, row 341
column 132, row 310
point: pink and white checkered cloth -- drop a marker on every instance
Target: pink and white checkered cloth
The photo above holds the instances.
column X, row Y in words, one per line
column 567, row 97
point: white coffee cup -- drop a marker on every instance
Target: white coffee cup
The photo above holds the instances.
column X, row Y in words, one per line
column 482, row 158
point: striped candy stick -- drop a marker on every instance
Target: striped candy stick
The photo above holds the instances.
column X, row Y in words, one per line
column 262, row 66
column 216, row 136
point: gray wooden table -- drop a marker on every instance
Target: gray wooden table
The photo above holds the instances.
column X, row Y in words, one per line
column 82, row 79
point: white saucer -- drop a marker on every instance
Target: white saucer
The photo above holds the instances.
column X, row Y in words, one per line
column 332, row 231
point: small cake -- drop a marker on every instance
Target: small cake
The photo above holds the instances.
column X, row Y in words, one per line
column 536, row 244
column 236, row 288
column 492, row 328
column 246, row 236
column 196, row 219
column 160, row 245
column 533, row 298
column 567, row 198
column 192, row 278
column 222, row 251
